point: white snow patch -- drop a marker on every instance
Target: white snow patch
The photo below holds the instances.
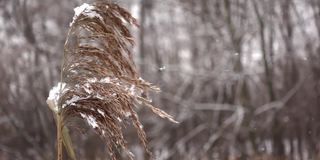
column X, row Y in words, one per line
column 78, row 10
column 72, row 101
column 92, row 14
column 74, row 98
column 119, row 119
column 74, row 71
column 101, row 112
column 149, row 100
column 123, row 20
column 132, row 89
column 90, row 119
column 55, row 92
column 127, row 114
column 105, row 80
column 99, row 96
column 92, row 80
column 162, row 68
column 87, row 10
column 86, row 87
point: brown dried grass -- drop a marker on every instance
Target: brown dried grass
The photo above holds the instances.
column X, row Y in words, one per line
column 102, row 83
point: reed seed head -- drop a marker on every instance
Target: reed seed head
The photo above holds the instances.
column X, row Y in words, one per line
column 100, row 82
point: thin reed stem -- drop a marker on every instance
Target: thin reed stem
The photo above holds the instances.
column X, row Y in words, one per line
column 59, row 137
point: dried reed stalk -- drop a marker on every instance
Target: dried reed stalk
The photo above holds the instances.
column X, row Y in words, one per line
column 99, row 81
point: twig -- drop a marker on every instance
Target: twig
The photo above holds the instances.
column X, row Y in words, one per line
column 280, row 103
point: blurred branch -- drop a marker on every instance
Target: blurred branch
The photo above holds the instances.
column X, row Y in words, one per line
column 236, row 118
column 15, row 154
column 23, row 134
column 280, row 103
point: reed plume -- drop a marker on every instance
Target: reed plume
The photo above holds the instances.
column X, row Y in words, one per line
column 99, row 81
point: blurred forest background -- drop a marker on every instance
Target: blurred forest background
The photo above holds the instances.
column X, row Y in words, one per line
column 241, row 76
